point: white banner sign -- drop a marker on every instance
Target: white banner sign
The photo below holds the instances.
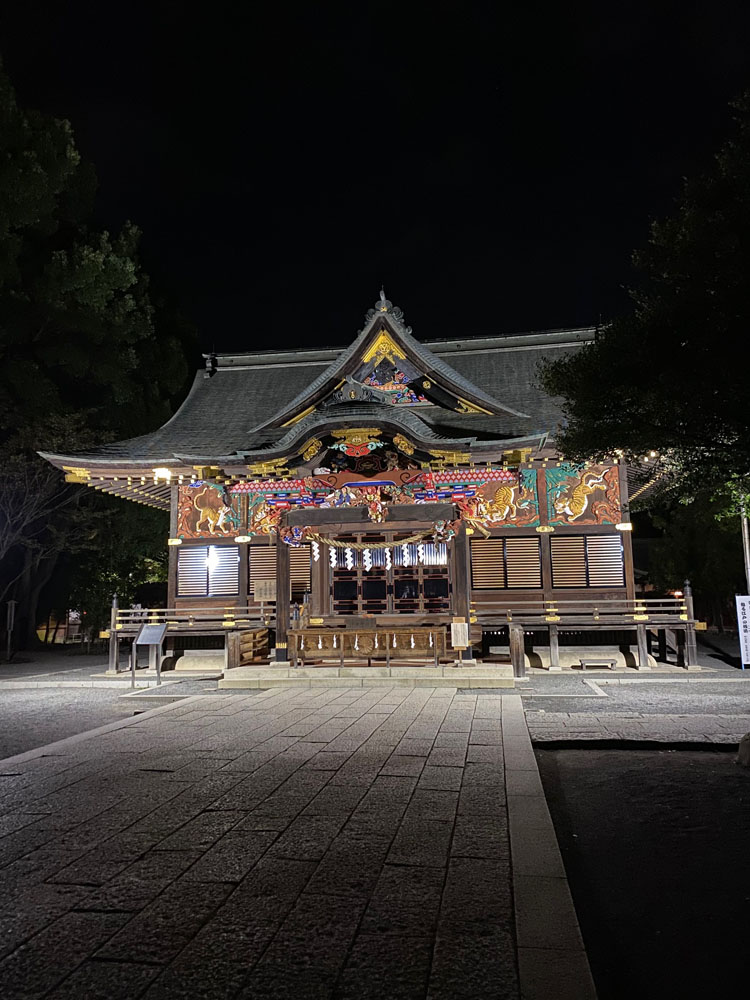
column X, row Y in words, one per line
column 743, row 625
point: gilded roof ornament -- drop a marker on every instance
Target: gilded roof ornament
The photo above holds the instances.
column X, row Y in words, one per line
column 385, row 307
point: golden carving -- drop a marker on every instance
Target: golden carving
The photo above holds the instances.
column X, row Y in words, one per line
column 451, row 457
column 312, row 448
column 516, row 457
column 464, row 406
column 357, row 435
column 384, row 346
column 74, row 474
column 273, row 465
column 403, row 444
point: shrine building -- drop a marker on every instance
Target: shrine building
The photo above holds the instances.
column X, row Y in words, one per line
column 398, row 506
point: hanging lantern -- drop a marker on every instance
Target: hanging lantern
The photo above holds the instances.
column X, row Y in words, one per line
column 332, row 557
column 388, row 562
column 316, row 551
column 367, row 559
column 349, row 556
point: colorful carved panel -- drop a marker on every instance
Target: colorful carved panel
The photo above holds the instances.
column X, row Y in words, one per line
column 207, row 511
column 583, row 495
column 389, row 377
column 515, row 504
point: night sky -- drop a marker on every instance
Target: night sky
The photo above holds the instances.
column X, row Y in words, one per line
column 492, row 166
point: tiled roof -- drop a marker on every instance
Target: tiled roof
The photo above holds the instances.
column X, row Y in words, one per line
column 220, row 413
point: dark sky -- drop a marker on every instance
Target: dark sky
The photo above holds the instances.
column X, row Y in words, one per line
column 493, row 164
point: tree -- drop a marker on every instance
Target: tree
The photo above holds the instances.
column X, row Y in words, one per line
column 88, row 357
column 671, row 376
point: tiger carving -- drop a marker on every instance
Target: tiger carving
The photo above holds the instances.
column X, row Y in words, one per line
column 215, row 518
column 577, row 502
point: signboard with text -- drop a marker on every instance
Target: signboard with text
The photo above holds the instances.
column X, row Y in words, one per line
column 743, row 627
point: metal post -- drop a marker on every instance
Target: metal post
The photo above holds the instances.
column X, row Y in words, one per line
column 158, row 664
column 133, row 659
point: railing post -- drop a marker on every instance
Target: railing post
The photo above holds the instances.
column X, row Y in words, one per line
column 517, row 651
column 554, row 649
column 643, row 663
column 114, row 639
column 691, row 646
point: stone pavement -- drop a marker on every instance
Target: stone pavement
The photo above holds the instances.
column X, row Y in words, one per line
column 318, row 843
column 710, row 709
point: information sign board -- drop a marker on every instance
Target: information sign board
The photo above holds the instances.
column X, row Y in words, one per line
column 151, row 635
column 743, row 627
column 459, row 635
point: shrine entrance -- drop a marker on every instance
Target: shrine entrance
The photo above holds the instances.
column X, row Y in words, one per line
column 405, row 578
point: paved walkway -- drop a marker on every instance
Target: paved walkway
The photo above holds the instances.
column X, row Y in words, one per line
column 326, row 843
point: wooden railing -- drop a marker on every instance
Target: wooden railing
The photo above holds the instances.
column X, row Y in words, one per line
column 128, row 621
column 609, row 613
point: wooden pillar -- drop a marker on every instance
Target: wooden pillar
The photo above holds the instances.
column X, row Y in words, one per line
column 462, row 582
column 691, row 645
column 554, row 649
column 233, row 649
column 517, row 650
column 174, row 499
column 319, row 572
column 662, row 648
column 114, row 639
column 282, row 599
column 643, row 663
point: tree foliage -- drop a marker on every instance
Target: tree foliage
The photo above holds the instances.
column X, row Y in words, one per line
column 672, row 375
column 88, row 354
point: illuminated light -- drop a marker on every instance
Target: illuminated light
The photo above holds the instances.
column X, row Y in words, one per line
column 332, row 557
column 143, row 480
column 545, row 529
column 624, row 526
column 243, row 539
column 652, row 454
column 316, row 551
column 174, row 541
column 212, row 559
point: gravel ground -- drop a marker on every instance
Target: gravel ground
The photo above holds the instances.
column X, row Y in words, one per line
column 655, row 844
column 33, row 717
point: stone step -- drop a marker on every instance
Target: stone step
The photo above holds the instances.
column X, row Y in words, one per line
column 284, row 675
